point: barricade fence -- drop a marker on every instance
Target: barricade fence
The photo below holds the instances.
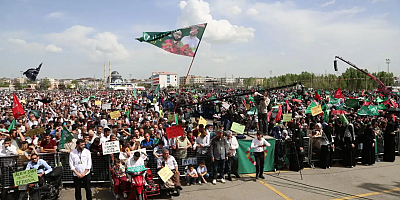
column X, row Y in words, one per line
column 101, row 164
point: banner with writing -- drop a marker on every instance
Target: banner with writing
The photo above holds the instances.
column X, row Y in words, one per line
column 174, row 131
column 238, row 128
column 25, row 177
column 111, row 147
column 115, row 115
column 287, row 117
column 316, row 110
column 137, row 169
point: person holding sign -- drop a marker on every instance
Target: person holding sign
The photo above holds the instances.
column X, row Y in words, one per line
column 80, row 161
column 35, row 163
column 259, row 144
column 169, row 161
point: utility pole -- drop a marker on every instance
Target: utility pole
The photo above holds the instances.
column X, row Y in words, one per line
column 388, row 63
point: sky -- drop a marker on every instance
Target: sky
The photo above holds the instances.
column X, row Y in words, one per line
column 243, row 38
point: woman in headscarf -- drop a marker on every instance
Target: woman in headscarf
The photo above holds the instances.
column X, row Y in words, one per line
column 368, row 152
column 389, row 139
column 326, row 146
column 349, row 153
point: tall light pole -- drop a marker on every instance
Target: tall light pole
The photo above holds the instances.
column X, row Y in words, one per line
column 388, row 63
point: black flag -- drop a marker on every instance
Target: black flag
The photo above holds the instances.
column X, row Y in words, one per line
column 31, row 73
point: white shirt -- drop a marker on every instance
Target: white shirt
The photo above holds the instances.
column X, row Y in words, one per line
column 203, row 141
column 255, row 144
column 192, row 42
column 80, row 161
column 104, row 139
column 9, row 151
column 233, row 145
column 134, row 163
column 193, row 172
column 201, row 170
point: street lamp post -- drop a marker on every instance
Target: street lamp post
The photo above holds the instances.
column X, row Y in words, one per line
column 388, row 63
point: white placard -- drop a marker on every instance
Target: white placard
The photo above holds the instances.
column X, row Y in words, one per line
column 111, row 147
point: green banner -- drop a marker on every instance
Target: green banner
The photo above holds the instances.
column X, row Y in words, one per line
column 246, row 165
column 25, row 177
column 182, row 41
column 137, row 169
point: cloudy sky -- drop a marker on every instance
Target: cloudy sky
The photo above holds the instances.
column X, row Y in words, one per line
column 244, row 38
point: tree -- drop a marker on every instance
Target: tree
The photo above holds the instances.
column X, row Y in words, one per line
column 45, row 84
column 75, row 82
column 18, row 86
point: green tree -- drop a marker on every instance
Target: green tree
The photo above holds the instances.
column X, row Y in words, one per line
column 18, row 85
column 75, row 82
column 45, row 84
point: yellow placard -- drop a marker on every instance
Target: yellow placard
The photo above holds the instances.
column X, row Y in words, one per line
column 238, row 128
column 202, row 121
column 287, row 117
column 115, row 115
column 316, row 110
column 97, row 103
column 165, row 173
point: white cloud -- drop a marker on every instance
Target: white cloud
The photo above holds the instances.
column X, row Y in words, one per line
column 375, row 1
column 234, row 10
column 55, row 15
column 316, row 36
column 198, row 11
column 53, row 48
column 100, row 46
column 251, row 11
column 328, row 3
column 21, row 45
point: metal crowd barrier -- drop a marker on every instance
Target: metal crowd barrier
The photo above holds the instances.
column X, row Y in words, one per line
column 11, row 164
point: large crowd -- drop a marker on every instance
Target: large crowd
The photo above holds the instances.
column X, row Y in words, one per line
column 71, row 122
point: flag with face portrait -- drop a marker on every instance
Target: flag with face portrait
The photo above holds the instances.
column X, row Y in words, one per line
column 183, row 41
column 32, row 73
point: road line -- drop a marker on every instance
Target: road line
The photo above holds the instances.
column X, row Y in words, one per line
column 369, row 194
column 272, row 188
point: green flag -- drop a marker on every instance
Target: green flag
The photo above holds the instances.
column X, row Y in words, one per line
column 373, row 110
column 66, row 136
column 182, row 41
column 119, row 94
column 344, row 119
column 332, row 100
column 382, row 107
column 85, row 100
column 35, row 113
column 12, row 125
column 176, row 119
column 135, row 93
column 312, row 105
column 92, row 97
column 380, row 100
column 363, row 111
column 326, row 115
column 327, row 92
column 158, row 88
column 351, row 103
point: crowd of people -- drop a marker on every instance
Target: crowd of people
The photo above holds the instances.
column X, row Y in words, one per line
column 79, row 123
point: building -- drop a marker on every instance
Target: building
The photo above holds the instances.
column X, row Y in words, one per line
column 165, row 79
column 226, row 80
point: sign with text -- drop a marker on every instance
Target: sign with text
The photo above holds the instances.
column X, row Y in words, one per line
column 174, row 131
column 115, row 115
column 165, row 173
column 97, row 103
column 316, row 110
column 25, row 177
column 106, row 106
column 111, row 147
column 137, row 169
column 189, row 161
column 202, row 121
column 36, row 131
column 287, row 117
column 238, row 128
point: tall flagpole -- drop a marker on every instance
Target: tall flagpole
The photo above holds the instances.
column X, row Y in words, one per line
column 190, row 67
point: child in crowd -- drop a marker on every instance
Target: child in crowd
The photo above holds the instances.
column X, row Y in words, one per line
column 202, row 172
column 119, row 178
column 158, row 150
column 191, row 175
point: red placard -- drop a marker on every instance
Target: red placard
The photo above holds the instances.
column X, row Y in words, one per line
column 174, row 131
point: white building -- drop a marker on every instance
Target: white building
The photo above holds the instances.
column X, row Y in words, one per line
column 165, row 79
column 226, row 80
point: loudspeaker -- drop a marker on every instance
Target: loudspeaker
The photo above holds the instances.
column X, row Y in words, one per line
column 335, row 65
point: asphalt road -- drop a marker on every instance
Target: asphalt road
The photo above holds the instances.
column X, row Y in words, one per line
column 380, row 181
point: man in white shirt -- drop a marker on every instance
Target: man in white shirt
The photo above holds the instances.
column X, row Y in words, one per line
column 192, row 39
column 232, row 157
column 202, row 143
column 80, row 161
column 106, row 136
column 6, row 148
